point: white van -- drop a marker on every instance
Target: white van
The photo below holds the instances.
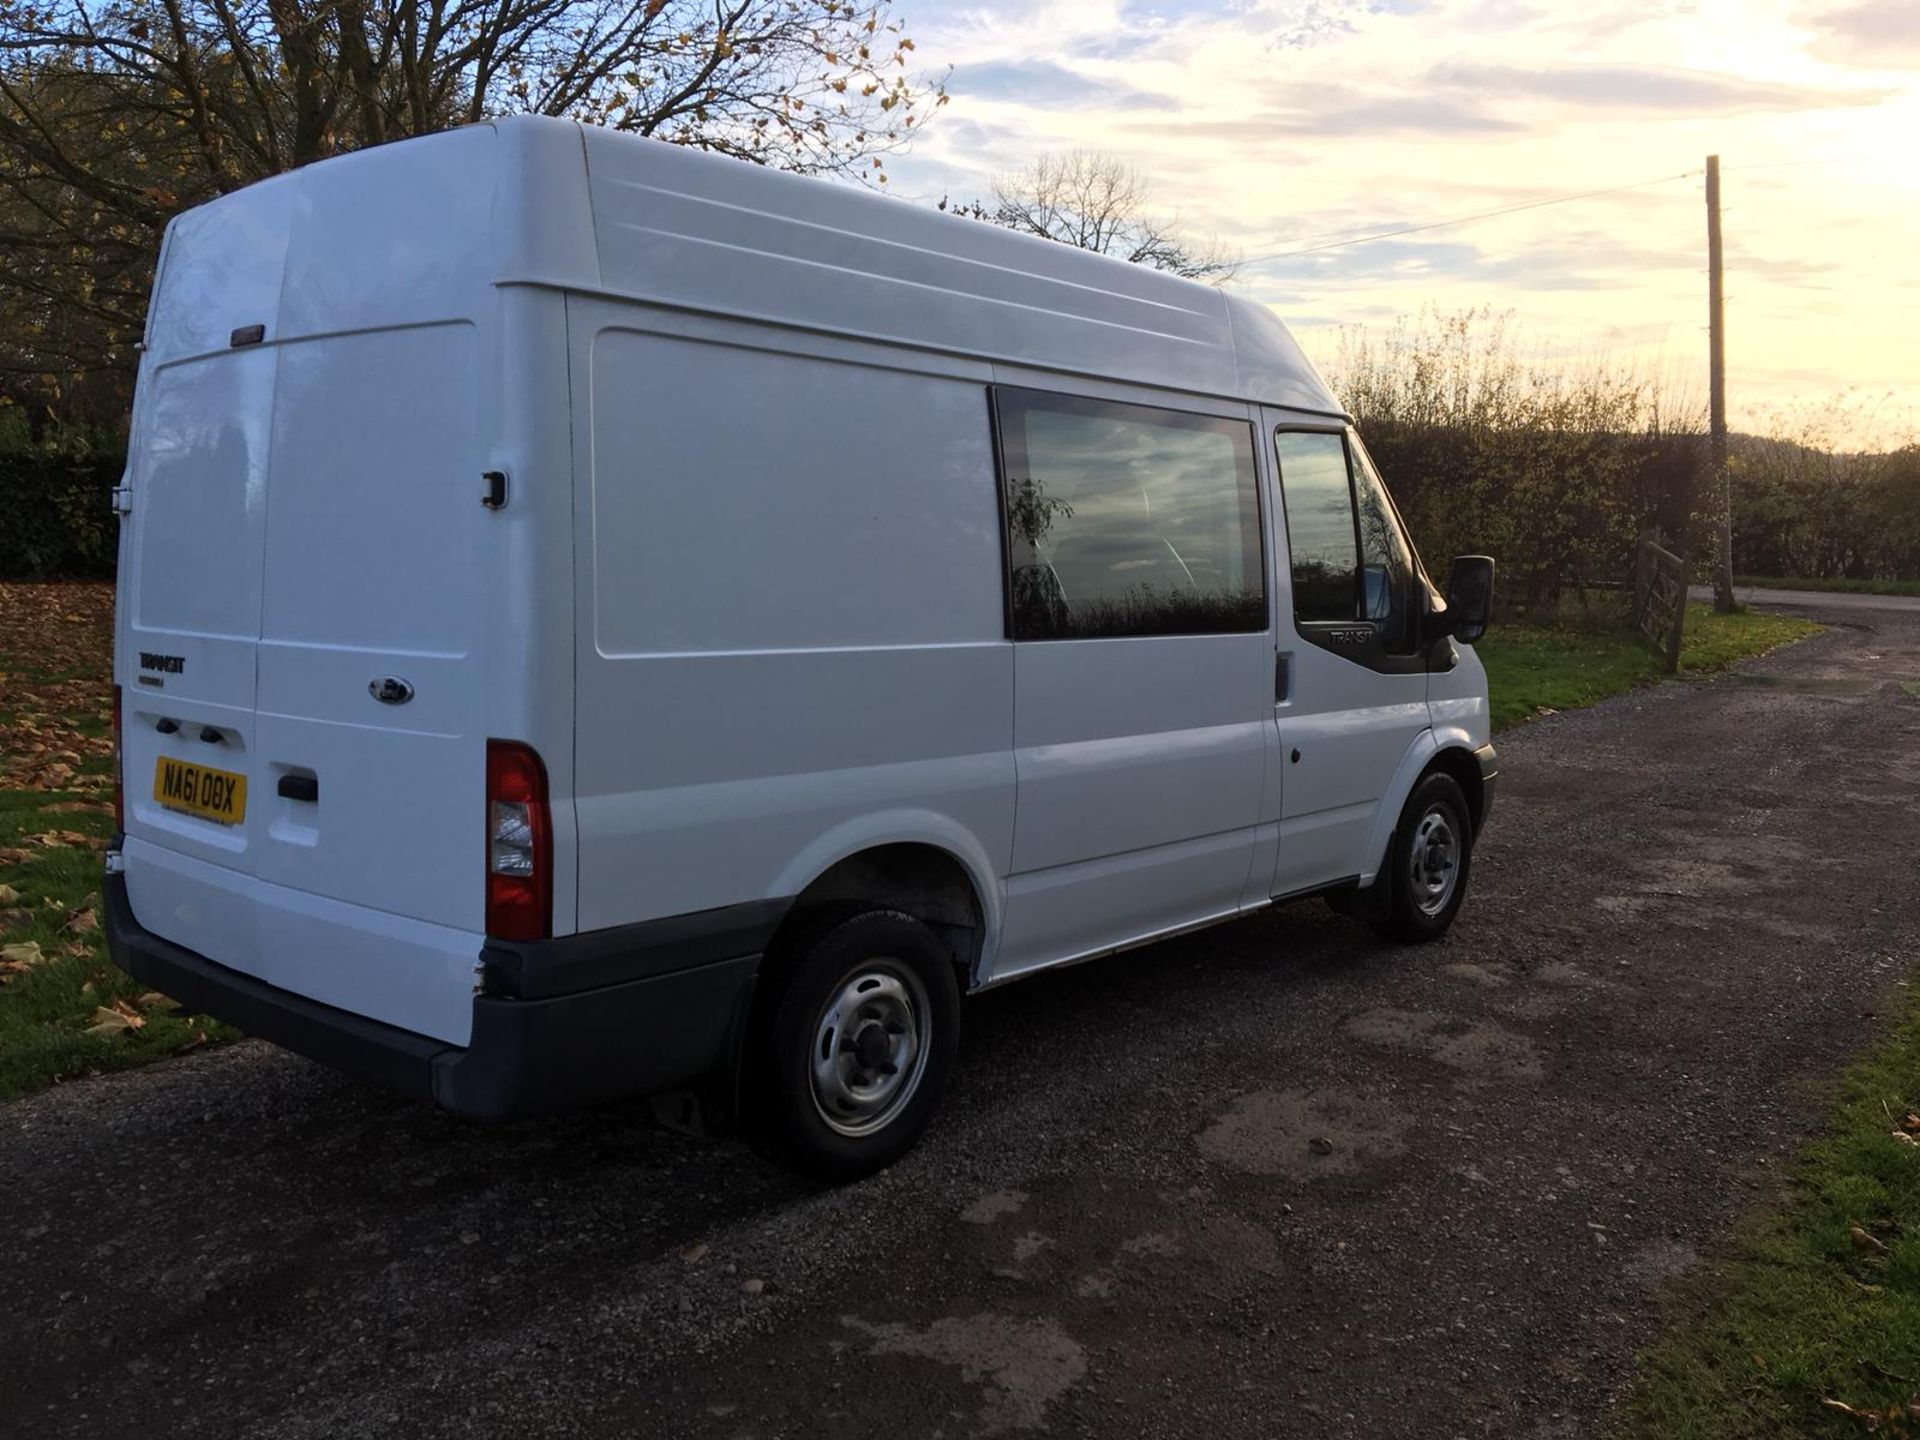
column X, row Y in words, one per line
column 596, row 617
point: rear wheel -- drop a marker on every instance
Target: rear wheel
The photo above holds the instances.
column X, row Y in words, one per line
column 863, row 1023
column 1427, row 864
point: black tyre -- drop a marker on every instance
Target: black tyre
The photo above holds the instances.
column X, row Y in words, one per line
column 857, row 1043
column 1427, row 865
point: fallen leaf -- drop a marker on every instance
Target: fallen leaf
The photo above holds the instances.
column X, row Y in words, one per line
column 153, row 998
column 199, row 1039
column 118, row 1019
column 1863, row 1241
column 693, row 1254
column 12, row 856
column 1871, row 1417
column 9, row 895
column 1904, row 1138
column 77, row 807
column 23, row 954
column 81, row 921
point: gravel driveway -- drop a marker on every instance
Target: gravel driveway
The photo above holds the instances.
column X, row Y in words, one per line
column 1273, row 1179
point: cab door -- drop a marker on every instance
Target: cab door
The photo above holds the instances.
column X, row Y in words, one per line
column 1351, row 692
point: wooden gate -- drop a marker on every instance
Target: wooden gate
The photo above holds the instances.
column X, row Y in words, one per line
column 1659, row 598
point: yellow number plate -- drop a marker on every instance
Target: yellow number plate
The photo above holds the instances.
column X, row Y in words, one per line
column 217, row 795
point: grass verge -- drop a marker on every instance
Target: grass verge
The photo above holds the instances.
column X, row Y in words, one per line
column 65, row 1009
column 1818, row 1331
column 1538, row 669
column 1849, row 587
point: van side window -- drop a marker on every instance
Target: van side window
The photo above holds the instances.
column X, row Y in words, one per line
column 1386, row 559
column 1318, row 497
column 1128, row 519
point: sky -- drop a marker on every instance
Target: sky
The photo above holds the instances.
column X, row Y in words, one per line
column 1269, row 124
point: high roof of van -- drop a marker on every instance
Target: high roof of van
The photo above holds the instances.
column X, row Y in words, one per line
column 594, row 210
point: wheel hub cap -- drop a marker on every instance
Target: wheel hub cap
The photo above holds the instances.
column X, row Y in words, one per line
column 1436, row 861
column 868, row 1048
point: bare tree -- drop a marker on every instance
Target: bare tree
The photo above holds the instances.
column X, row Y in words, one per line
column 117, row 114
column 1099, row 202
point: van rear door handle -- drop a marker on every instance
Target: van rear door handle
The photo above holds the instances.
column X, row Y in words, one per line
column 299, row 787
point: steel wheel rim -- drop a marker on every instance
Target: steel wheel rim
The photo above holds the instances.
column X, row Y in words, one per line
column 869, row 1047
column 1435, row 862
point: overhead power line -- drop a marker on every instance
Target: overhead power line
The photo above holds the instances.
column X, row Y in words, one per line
column 1368, row 238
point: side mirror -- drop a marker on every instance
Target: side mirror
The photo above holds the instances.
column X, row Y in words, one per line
column 1469, row 597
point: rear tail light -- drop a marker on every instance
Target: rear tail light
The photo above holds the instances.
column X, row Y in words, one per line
column 119, row 789
column 519, row 844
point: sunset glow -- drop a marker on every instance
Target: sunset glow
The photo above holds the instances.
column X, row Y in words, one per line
column 1279, row 125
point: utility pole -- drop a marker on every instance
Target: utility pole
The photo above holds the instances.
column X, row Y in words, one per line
column 1717, row 398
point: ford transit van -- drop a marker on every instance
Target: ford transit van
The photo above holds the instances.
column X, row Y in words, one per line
column 597, row 618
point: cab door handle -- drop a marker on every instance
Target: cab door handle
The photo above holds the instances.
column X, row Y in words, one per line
column 1282, row 677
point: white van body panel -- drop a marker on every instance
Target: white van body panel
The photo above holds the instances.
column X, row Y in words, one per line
column 792, row 624
column 749, row 596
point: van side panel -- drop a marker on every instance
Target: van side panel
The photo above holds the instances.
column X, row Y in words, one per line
column 791, row 616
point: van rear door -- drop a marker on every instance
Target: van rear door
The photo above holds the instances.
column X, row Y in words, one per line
column 303, row 730
column 190, row 580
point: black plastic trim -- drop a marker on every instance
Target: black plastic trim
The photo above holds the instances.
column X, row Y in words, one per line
column 543, row 969
column 1489, row 775
column 674, row 1017
column 533, row 1057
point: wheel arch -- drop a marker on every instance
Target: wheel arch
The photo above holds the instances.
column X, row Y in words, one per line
column 1446, row 750
column 923, row 866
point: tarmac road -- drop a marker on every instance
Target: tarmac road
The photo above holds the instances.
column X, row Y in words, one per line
column 1811, row 601
column 1273, row 1179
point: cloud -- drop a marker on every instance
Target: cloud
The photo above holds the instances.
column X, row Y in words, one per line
column 1338, row 112
column 1044, row 84
column 1871, row 34
column 1642, row 87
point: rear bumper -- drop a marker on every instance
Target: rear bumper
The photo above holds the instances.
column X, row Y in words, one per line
column 1489, row 777
column 556, row 1025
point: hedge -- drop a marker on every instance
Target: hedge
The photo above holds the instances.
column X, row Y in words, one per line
column 56, row 515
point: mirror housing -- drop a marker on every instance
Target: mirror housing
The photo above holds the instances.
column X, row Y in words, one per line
column 1469, row 597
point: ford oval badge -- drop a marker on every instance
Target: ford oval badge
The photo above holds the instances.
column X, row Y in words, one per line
column 390, row 690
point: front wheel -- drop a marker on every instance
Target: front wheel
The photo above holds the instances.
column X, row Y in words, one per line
column 1424, row 878
column 864, row 1022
